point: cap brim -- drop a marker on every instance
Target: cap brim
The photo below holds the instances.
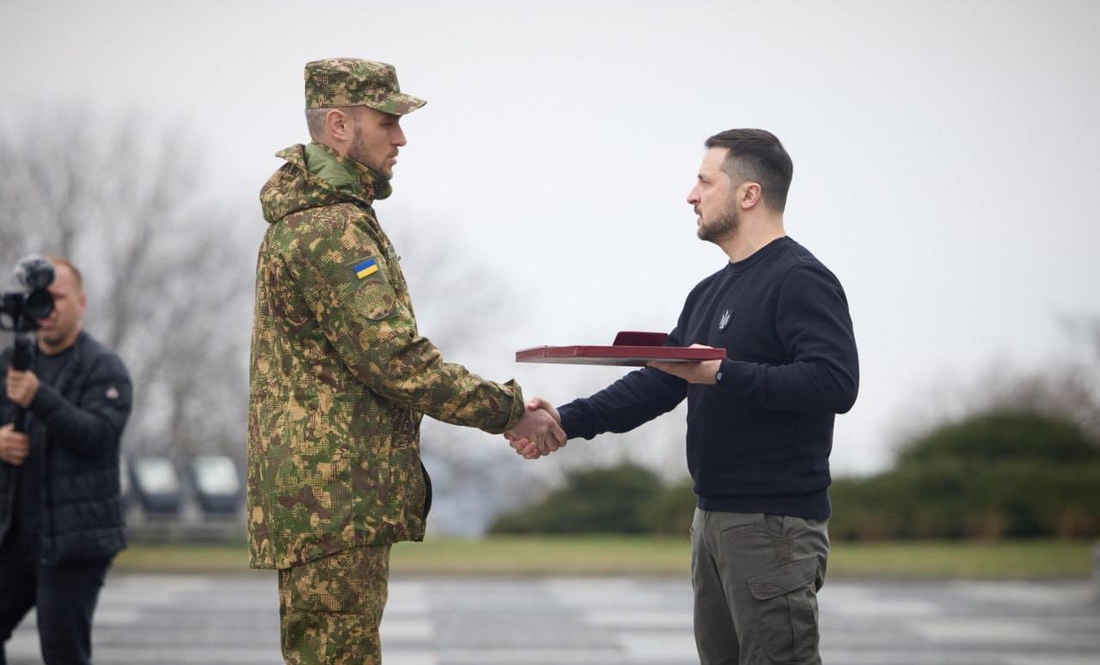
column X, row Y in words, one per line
column 397, row 104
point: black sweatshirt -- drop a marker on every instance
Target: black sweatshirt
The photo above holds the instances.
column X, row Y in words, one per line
column 759, row 440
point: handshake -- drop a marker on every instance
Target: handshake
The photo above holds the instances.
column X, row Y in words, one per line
column 538, row 432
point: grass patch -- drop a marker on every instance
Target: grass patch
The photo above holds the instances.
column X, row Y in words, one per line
column 209, row 558
column 588, row 555
column 613, row 555
column 1018, row 559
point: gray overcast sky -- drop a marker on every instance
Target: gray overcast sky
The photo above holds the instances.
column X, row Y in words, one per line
column 945, row 154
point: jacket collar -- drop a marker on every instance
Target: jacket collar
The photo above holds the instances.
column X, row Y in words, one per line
column 344, row 173
column 295, row 187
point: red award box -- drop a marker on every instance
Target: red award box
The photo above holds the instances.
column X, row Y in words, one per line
column 633, row 349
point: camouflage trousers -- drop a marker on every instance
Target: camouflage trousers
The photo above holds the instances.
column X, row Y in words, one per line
column 330, row 608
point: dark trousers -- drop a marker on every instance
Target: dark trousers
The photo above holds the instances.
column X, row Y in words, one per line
column 756, row 579
column 65, row 596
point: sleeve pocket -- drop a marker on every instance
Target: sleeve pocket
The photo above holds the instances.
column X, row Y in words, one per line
column 374, row 298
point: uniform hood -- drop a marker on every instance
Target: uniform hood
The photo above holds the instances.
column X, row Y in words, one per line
column 316, row 176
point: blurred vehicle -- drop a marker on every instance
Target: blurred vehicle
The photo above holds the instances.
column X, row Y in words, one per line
column 217, row 483
column 156, row 484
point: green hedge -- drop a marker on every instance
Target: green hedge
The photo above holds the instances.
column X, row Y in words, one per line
column 602, row 500
column 1001, row 474
column 994, row 475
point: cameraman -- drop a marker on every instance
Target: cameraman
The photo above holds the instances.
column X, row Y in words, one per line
column 60, row 513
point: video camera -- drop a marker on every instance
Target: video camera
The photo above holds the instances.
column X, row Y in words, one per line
column 22, row 308
column 20, row 312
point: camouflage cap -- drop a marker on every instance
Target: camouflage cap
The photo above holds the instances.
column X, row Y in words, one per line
column 337, row 82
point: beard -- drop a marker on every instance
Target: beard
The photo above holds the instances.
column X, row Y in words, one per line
column 361, row 154
column 719, row 228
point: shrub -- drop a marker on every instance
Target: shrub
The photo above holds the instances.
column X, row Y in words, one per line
column 671, row 511
column 994, row 475
column 604, row 500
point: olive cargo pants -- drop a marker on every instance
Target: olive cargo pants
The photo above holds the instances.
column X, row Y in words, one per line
column 756, row 579
column 330, row 609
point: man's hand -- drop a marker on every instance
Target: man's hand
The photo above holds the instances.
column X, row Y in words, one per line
column 14, row 446
column 697, row 372
column 21, row 387
column 546, row 435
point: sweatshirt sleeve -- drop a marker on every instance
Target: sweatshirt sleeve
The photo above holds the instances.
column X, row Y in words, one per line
column 346, row 283
column 814, row 326
column 633, row 400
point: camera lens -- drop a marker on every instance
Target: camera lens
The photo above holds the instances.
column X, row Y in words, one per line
column 39, row 305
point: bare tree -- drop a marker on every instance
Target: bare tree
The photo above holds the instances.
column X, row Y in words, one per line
column 171, row 289
column 126, row 201
column 473, row 477
column 1069, row 388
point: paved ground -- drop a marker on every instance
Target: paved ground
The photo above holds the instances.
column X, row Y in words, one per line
column 180, row 620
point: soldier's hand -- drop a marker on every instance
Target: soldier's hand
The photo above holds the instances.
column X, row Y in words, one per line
column 546, row 435
column 14, row 446
column 21, row 387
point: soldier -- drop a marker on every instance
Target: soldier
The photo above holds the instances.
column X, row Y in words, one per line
column 340, row 377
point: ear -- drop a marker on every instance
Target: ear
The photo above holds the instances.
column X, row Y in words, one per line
column 83, row 302
column 338, row 125
column 749, row 195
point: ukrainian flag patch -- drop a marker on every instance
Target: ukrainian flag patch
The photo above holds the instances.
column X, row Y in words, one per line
column 365, row 268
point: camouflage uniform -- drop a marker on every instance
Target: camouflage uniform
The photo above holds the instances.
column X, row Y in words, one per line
column 339, row 381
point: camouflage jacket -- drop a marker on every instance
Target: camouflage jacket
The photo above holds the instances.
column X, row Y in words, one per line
column 339, row 376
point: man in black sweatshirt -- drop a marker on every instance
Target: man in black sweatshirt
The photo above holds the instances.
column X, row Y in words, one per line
column 760, row 421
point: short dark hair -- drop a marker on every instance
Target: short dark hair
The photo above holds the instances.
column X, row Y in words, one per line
column 757, row 155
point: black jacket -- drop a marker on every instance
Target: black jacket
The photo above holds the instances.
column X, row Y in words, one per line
column 78, row 423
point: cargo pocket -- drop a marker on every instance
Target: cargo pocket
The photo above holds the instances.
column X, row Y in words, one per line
column 786, row 610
